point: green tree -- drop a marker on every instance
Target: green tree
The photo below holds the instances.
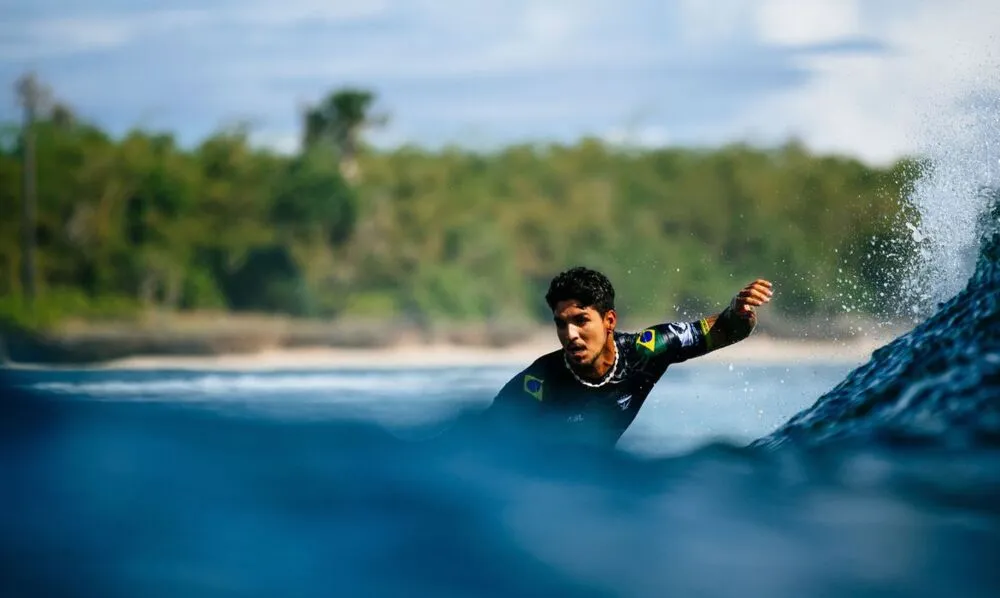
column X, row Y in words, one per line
column 439, row 236
column 339, row 121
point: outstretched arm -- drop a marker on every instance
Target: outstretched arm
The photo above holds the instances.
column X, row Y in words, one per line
column 674, row 342
column 738, row 320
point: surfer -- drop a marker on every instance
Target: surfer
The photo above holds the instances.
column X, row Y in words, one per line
column 593, row 387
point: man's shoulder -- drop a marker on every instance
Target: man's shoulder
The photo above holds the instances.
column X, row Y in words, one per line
column 625, row 338
column 638, row 341
column 548, row 359
column 532, row 379
column 544, row 365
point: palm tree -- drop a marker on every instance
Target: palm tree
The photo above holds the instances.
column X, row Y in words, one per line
column 340, row 120
column 33, row 95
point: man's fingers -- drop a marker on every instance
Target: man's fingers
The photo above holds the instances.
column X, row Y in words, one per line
column 762, row 286
column 755, row 294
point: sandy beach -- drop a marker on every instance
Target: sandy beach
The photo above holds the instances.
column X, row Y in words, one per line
column 756, row 350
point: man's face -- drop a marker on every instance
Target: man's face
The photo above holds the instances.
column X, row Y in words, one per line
column 582, row 331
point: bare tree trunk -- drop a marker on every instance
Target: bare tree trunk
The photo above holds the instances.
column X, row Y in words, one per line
column 173, row 288
column 349, row 168
column 31, row 96
column 147, row 287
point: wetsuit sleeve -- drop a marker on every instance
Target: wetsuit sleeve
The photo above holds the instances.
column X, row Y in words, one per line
column 674, row 342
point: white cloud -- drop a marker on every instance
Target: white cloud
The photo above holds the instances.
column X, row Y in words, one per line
column 293, row 11
column 544, row 33
column 773, row 22
column 93, row 30
column 879, row 106
column 713, row 24
column 68, row 35
column 794, row 22
column 867, row 104
column 457, row 39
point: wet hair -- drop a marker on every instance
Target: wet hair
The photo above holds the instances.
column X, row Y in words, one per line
column 589, row 287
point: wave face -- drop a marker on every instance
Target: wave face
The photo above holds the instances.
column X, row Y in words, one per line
column 939, row 384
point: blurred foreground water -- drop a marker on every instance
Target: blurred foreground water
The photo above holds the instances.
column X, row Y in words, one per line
column 324, row 483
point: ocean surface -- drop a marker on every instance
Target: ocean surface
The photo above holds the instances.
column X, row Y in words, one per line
column 880, row 478
column 320, row 483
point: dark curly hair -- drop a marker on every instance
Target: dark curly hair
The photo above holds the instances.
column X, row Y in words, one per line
column 589, row 287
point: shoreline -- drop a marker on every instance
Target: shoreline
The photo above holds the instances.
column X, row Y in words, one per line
column 756, row 350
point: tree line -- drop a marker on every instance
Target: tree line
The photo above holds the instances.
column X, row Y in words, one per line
column 339, row 229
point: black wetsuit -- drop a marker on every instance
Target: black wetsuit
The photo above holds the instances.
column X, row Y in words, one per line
column 548, row 392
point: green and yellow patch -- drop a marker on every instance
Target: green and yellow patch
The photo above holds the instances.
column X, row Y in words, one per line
column 650, row 342
column 533, row 386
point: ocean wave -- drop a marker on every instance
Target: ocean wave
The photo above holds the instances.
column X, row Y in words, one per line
column 938, row 384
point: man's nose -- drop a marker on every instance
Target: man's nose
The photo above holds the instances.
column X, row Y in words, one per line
column 573, row 332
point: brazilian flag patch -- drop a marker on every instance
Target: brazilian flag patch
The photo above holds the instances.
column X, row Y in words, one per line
column 649, row 341
column 533, row 386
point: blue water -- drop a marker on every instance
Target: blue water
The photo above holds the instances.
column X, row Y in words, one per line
column 331, row 484
column 696, row 403
column 872, row 479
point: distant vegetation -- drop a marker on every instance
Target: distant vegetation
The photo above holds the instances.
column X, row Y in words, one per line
column 340, row 230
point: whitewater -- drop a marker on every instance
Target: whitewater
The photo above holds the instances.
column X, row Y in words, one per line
column 872, row 479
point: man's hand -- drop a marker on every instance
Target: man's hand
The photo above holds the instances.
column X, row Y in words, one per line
column 752, row 296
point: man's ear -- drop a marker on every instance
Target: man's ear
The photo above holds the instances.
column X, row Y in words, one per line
column 610, row 319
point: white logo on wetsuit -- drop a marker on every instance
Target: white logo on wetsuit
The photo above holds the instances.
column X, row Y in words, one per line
column 684, row 332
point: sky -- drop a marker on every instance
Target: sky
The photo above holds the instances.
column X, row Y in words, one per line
column 871, row 79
